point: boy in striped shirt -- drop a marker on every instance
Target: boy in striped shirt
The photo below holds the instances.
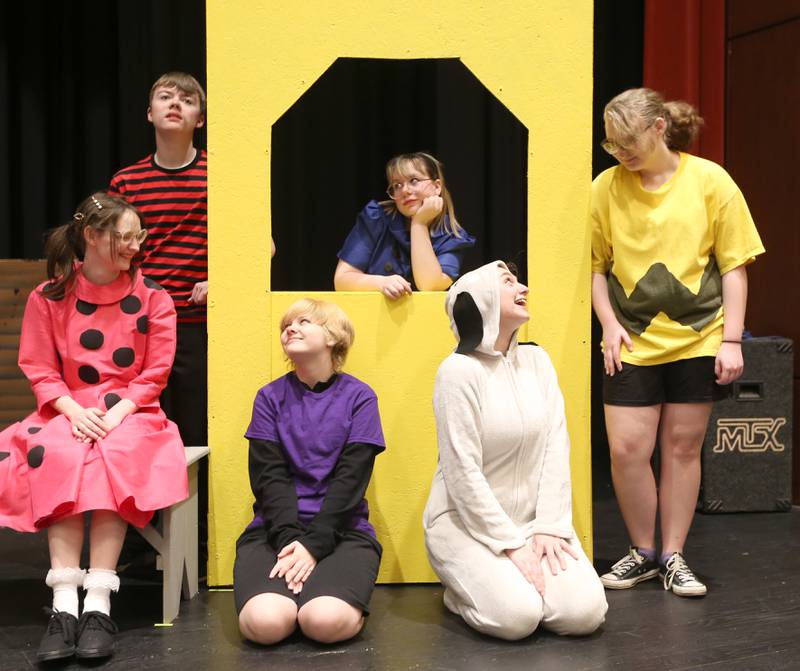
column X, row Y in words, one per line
column 170, row 189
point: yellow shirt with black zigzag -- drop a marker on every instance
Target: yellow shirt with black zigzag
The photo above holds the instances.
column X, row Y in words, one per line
column 664, row 253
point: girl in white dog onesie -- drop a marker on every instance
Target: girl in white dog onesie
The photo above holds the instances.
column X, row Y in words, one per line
column 498, row 523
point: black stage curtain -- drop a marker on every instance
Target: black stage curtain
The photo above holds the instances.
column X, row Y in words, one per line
column 74, row 81
column 330, row 148
column 618, row 53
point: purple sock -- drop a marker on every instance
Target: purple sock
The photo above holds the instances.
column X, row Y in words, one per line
column 649, row 553
column 665, row 556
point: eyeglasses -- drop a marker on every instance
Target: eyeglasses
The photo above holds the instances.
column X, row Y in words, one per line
column 615, row 148
column 396, row 189
column 128, row 237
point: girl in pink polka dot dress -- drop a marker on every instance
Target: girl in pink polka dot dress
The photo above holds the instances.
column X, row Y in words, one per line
column 97, row 345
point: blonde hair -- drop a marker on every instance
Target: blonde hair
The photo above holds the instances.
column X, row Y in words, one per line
column 182, row 81
column 331, row 318
column 626, row 111
column 431, row 168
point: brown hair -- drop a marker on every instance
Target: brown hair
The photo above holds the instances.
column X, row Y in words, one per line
column 183, row 82
column 331, row 318
column 432, row 168
column 66, row 244
column 626, row 111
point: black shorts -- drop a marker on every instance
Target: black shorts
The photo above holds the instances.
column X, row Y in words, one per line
column 684, row 381
column 348, row 573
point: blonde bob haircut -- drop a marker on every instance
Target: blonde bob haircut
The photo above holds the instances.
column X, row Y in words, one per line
column 331, row 318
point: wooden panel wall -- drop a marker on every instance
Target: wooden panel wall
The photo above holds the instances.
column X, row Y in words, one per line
column 17, row 279
column 761, row 149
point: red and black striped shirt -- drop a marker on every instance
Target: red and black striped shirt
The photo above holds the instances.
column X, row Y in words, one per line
column 174, row 203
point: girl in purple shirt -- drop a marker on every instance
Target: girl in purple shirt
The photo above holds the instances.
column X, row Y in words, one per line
column 310, row 556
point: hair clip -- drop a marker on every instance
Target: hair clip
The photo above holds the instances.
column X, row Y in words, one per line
column 78, row 216
column 97, row 203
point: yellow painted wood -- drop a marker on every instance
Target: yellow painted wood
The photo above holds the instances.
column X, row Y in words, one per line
column 536, row 58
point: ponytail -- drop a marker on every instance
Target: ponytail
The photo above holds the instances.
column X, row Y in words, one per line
column 683, row 124
column 64, row 246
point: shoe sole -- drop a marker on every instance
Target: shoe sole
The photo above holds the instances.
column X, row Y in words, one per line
column 689, row 591
column 50, row 656
column 93, row 654
column 685, row 591
column 629, row 582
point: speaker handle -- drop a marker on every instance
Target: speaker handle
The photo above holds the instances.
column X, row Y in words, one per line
column 748, row 391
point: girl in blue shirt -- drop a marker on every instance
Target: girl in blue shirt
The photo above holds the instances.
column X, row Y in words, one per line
column 412, row 241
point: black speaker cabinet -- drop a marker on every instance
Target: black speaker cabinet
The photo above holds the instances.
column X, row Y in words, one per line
column 747, row 453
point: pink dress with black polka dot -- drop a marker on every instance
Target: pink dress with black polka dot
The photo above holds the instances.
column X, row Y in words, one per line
column 98, row 344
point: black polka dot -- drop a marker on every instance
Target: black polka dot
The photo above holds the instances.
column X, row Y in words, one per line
column 111, row 400
column 92, row 339
column 85, row 308
column 152, row 285
column 123, row 356
column 34, row 429
column 142, row 324
column 4, row 455
column 130, row 305
column 89, row 374
column 36, row 456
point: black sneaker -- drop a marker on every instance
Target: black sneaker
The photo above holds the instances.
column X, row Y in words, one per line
column 58, row 641
column 633, row 568
column 95, row 635
column 679, row 578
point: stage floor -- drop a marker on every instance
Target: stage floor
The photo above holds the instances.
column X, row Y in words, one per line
column 750, row 619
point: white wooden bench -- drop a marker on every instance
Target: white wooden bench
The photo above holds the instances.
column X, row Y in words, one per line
column 176, row 543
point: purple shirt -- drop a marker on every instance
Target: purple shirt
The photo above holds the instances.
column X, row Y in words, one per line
column 313, row 428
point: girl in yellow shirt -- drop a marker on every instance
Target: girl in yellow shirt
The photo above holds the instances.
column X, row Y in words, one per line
column 671, row 236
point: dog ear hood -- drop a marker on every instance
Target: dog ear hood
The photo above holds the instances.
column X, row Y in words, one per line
column 473, row 305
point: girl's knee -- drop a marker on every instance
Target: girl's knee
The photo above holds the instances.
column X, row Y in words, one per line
column 683, row 440
column 581, row 617
column 264, row 621
column 626, row 452
column 584, row 621
column 516, row 621
column 329, row 620
column 684, row 447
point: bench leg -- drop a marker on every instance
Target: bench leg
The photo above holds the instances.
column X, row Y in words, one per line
column 177, row 545
column 190, row 588
column 172, row 560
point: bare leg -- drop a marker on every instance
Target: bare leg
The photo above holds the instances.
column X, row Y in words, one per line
column 632, row 437
column 268, row 618
column 105, row 539
column 327, row 619
column 683, row 427
column 65, row 540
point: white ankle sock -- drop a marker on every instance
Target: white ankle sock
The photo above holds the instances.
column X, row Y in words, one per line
column 99, row 583
column 64, row 582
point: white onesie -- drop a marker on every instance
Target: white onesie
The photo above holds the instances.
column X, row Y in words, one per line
column 503, row 476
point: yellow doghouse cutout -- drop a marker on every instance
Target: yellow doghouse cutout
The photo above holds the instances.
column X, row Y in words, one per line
column 536, row 58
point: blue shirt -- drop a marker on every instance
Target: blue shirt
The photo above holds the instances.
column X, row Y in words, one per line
column 380, row 244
